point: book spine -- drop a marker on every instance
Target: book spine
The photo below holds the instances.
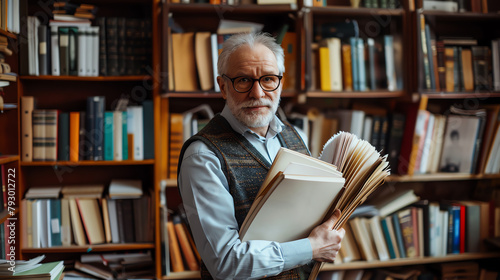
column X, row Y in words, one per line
column 73, row 51
column 42, row 50
column 74, row 135
column 27, row 106
column 64, row 50
column 108, row 136
column 112, row 46
column 63, row 137
column 101, row 22
column 99, row 108
column 175, row 251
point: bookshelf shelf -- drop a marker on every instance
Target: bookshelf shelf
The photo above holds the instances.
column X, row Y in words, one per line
column 459, row 95
column 4, row 215
column 410, row 261
column 441, row 177
column 8, row 158
column 213, row 94
column 90, row 248
column 183, row 275
column 88, row 79
column 89, row 163
column 355, row 94
column 8, row 34
column 349, row 11
column 239, row 9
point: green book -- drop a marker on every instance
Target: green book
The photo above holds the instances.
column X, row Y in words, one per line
column 46, row 271
column 108, row 136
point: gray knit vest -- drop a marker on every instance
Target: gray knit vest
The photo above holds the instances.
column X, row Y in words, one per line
column 245, row 170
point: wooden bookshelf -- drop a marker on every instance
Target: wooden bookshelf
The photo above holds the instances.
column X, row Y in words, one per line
column 441, row 177
column 90, row 248
column 356, row 94
column 87, row 79
column 89, row 163
column 183, row 275
column 8, row 159
column 410, row 261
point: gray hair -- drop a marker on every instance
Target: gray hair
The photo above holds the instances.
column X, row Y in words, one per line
column 250, row 39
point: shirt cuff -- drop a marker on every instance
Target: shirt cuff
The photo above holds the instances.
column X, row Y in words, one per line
column 296, row 253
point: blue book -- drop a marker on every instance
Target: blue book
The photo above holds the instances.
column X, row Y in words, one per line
column 430, row 56
column 55, row 222
column 99, row 107
column 455, row 249
column 108, row 136
column 387, row 236
column 354, row 63
column 399, row 235
column 125, row 136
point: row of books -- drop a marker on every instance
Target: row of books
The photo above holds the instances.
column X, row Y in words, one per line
column 128, row 265
column 475, row 133
column 192, row 56
column 423, row 228
column 382, row 4
column 344, row 61
column 70, row 10
column 458, row 64
column 183, row 253
column 454, row 270
column 113, row 46
column 93, row 134
column 83, row 215
column 10, row 19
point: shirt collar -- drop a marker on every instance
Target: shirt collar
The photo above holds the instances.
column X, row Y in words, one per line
column 275, row 127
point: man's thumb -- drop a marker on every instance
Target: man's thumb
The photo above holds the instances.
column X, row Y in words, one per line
column 333, row 219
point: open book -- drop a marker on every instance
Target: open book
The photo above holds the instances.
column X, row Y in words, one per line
column 300, row 192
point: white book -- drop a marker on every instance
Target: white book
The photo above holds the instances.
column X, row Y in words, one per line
column 94, row 46
column 113, row 221
column 66, row 232
column 43, row 223
column 215, row 57
column 82, row 58
column 335, row 55
column 389, row 62
column 378, row 238
column 424, row 161
column 35, row 213
column 54, row 48
column 136, row 128
column 367, row 128
column 119, row 188
column 360, row 48
column 434, row 228
column 437, row 5
column 117, row 135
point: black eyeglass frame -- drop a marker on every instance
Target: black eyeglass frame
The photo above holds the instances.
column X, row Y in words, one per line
column 253, row 82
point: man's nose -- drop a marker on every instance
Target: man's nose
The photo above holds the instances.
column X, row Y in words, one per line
column 256, row 91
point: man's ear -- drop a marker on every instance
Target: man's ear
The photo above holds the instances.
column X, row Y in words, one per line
column 222, row 86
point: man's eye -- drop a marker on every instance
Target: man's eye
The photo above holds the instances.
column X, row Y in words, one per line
column 244, row 80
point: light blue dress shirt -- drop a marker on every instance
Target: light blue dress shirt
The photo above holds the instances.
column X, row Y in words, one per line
column 210, row 211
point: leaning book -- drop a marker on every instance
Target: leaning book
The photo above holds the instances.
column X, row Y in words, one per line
column 300, row 192
column 31, row 269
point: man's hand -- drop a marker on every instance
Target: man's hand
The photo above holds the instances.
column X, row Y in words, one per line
column 325, row 242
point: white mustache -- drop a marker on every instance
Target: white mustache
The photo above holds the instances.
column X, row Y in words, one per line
column 256, row 103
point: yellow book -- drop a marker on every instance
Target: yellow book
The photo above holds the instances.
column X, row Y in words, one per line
column 324, row 69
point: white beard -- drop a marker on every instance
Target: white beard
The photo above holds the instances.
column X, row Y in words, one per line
column 253, row 120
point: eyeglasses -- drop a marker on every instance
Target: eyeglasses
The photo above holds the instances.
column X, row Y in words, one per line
column 244, row 84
